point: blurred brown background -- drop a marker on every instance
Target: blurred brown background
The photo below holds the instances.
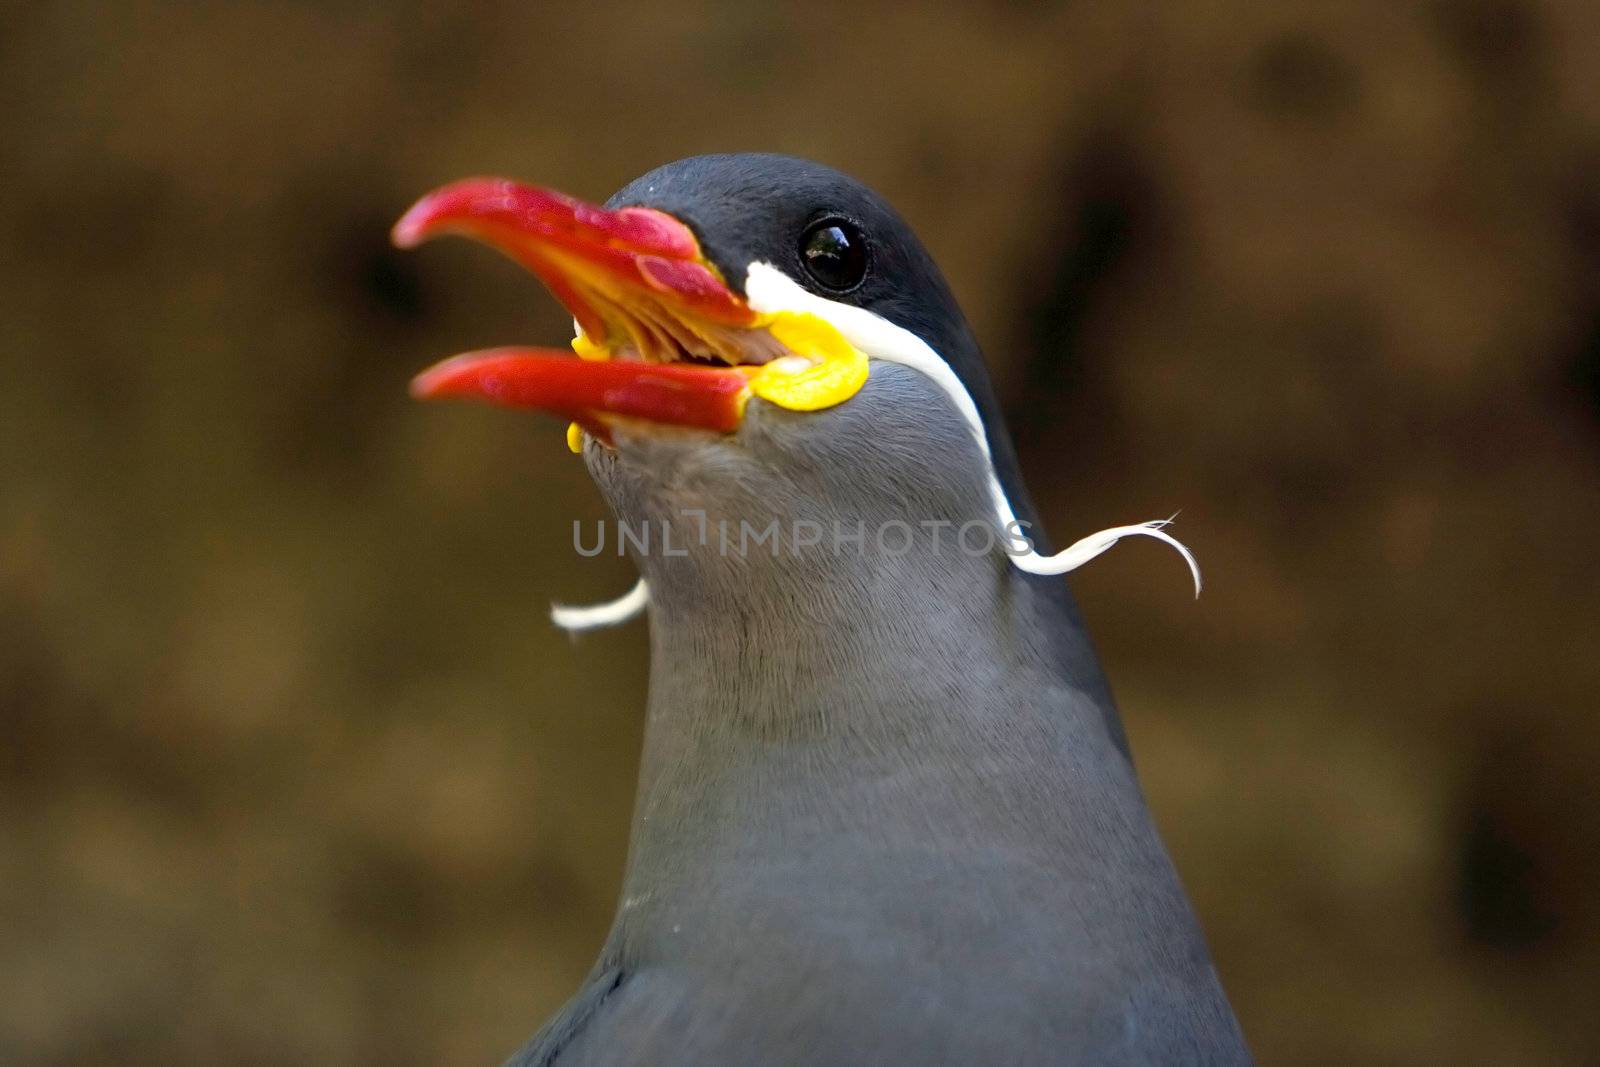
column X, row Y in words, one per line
column 295, row 771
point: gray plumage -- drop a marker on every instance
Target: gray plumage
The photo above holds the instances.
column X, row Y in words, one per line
column 885, row 812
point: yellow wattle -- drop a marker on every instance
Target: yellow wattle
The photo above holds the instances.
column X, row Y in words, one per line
column 574, row 438
column 836, row 373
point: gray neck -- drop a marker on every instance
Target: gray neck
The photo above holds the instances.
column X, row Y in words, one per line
column 824, row 696
column 862, row 645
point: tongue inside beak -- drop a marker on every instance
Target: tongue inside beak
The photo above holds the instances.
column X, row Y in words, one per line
column 645, row 299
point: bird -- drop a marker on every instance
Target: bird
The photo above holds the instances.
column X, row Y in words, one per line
column 886, row 809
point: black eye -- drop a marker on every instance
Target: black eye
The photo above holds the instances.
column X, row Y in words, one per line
column 835, row 253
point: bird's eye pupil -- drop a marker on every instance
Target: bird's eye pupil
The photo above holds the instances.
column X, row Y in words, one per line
column 834, row 253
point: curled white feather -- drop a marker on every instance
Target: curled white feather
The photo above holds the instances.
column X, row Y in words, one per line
column 598, row 616
column 1084, row 549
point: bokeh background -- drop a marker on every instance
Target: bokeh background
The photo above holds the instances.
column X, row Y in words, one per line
column 292, row 767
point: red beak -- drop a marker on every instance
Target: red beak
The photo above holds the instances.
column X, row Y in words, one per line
column 641, row 292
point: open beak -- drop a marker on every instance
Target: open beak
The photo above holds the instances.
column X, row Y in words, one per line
column 661, row 336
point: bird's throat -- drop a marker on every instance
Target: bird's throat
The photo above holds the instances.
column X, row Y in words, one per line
column 905, row 709
column 882, row 685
